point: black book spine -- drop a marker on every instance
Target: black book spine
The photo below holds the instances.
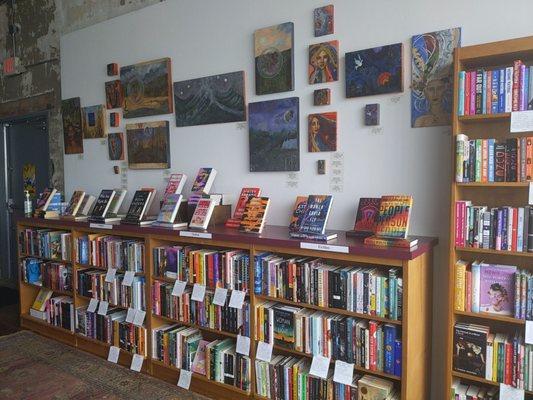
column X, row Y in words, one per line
column 512, row 160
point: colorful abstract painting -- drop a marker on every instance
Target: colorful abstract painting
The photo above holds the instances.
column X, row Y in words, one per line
column 372, row 114
column 210, row 100
column 148, row 145
column 72, row 126
column 324, row 62
column 274, row 59
column 374, row 71
column 322, row 97
column 114, row 94
column 432, row 77
column 147, row 88
column 324, row 20
column 274, row 131
column 115, row 145
column 93, row 122
column 28, row 179
column 322, row 132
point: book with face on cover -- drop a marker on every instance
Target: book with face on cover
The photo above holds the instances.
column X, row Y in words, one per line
column 138, row 206
column 102, row 204
column 202, row 214
column 297, row 213
column 246, row 193
column 497, row 288
column 367, row 213
column 169, row 210
column 316, row 214
column 393, row 217
column 44, row 200
column 254, row 216
column 75, row 202
column 175, row 184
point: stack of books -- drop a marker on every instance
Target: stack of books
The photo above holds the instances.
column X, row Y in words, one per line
column 238, row 213
column 108, row 251
column 46, row 243
column 254, row 216
column 48, row 204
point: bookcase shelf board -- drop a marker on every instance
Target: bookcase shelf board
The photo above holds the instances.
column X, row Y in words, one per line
column 414, row 266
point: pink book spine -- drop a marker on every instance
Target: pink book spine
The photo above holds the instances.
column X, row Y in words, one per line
column 458, row 224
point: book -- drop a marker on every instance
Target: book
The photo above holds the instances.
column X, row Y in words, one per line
column 204, row 180
column 316, row 214
column 101, row 206
column 297, row 213
column 254, row 216
column 198, row 364
column 138, row 206
column 246, row 193
column 117, row 201
column 175, row 184
column 497, row 289
column 284, row 325
column 44, row 199
column 75, row 203
column 407, row 243
column 43, row 296
column 374, row 388
column 470, row 349
column 367, row 213
column 86, row 206
column 169, row 210
column 202, row 214
column 393, row 217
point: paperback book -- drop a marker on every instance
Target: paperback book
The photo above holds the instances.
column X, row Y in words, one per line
column 175, row 184
column 169, row 212
column 138, row 208
column 470, row 349
column 202, row 214
column 43, row 207
column 314, row 219
column 393, row 217
column 497, row 288
column 102, row 205
column 75, row 203
column 246, row 193
column 365, row 220
column 408, row 243
column 254, row 216
column 297, row 213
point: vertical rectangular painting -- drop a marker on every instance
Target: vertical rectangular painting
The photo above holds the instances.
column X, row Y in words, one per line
column 115, row 145
column 210, row 100
column 114, row 95
column 72, row 126
column 148, row 145
column 324, row 20
column 274, row 59
column 324, row 62
column 274, row 129
column 147, row 88
column 93, row 121
column 322, row 132
column 372, row 114
column 432, row 77
column 374, row 71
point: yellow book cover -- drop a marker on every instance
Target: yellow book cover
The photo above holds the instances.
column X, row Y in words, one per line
column 460, row 285
column 42, row 297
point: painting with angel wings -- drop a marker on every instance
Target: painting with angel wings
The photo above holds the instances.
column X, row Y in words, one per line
column 210, row 100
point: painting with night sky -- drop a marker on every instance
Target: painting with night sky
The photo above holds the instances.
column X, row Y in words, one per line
column 374, row 71
column 210, row 100
column 274, row 130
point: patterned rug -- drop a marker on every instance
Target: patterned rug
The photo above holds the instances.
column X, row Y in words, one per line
column 36, row 368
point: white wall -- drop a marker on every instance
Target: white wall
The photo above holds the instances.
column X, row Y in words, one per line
column 206, row 37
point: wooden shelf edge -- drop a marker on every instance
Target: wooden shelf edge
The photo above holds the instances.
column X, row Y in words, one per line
column 202, row 328
column 492, row 317
column 493, row 184
column 46, row 324
column 484, row 117
column 480, row 380
column 491, row 251
column 63, row 292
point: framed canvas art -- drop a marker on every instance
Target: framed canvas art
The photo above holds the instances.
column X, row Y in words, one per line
column 148, row 145
column 324, row 20
column 93, row 122
column 72, row 126
column 371, row 114
column 322, row 132
column 114, row 95
column 324, row 62
column 115, row 144
column 322, row 97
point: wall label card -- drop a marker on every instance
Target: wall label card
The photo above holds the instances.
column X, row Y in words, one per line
column 237, row 299
column 198, row 292
column 343, row 373
column 220, row 296
column 264, row 351
column 510, row 393
column 184, row 380
column 102, row 307
column 522, row 121
column 137, row 363
column 110, row 276
column 100, row 226
column 128, row 278
column 130, row 316
column 114, row 352
column 320, row 366
column 324, row 247
column 92, row 305
column 201, row 235
column 139, row 317
column 178, row 288
column 243, row 345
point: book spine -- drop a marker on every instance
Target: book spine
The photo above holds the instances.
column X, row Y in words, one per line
column 530, row 89
column 476, row 282
column 508, row 89
column 468, row 86
column 491, row 143
column 495, row 91
column 398, row 357
column 484, row 160
column 460, row 286
column 479, row 92
column 501, row 91
column 461, row 98
column 479, row 159
column 473, row 76
column 516, row 86
column 524, row 72
column 485, row 96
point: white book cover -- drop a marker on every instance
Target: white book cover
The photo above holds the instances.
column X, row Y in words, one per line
column 86, row 206
column 175, row 185
column 508, row 89
column 202, row 214
column 476, row 282
column 510, row 228
column 488, row 358
column 520, row 231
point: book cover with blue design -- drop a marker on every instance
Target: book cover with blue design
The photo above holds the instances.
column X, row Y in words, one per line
column 316, row 214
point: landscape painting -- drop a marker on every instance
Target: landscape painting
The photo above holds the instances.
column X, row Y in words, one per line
column 274, row 59
column 323, row 20
column 114, row 95
column 147, row 88
column 374, row 71
column 322, row 132
column 148, row 145
column 115, row 144
column 93, row 122
column 210, row 100
column 432, row 77
column 274, row 131
column 72, row 126
column 324, row 62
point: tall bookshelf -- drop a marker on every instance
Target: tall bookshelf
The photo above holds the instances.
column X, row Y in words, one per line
column 492, row 194
column 415, row 326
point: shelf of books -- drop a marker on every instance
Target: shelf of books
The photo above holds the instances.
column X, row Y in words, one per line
column 491, row 233
column 230, row 313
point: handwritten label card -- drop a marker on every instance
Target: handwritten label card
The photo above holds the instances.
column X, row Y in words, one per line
column 529, row 332
column 92, row 305
column 522, row 121
column 114, row 352
column 510, row 393
column 220, row 296
column 102, row 307
column 128, row 278
column 130, row 316
column 243, row 345
column 178, row 288
column 110, row 276
column 139, row 317
column 343, row 373
column 319, row 366
column 136, row 363
column 237, row 299
column 264, row 351
column 184, row 380
column 198, row 292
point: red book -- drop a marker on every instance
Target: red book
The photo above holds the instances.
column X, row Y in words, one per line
column 516, row 85
column 508, row 376
column 467, row 93
column 515, row 230
column 372, row 326
column 210, row 270
column 246, row 193
column 484, row 160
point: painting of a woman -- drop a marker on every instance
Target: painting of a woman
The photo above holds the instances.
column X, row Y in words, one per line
column 323, row 132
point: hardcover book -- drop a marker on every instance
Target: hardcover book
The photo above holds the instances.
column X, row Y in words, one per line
column 204, row 180
column 470, row 349
column 297, row 213
column 138, row 206
column 75, row 202
column 202, row 214
column 117, row 201
column 169, row 209
column 102, row 204
column 175, row 184
column 284, row 325
column 246, row 193
column 254, row 216
column 367, row 213
column 497, row 289
column 408, row 243
column 393, row 217
column 316, row 214
column 374, row 388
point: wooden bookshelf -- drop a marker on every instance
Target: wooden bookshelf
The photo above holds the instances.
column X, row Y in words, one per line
column 415, row 266
column 493, row 194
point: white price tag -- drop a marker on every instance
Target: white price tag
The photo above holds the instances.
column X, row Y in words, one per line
column 92, row 305
column 510, row 393
column 100, row 226
column 114, row 352
column 200, row 235
column 237, row 299
column 128, row 278
column 530, row 197
column 102, row 307
column 324, row 247
column 219, row 298
column 521, row 121
column 264, row 351
column 130, row 316
column 343, row 373
column 178, row 288
column 198, row 292
column 136, row 363
column 529, row 332
column 110, row 276
column 139, row 317
column 243, row 345
column 184, row 380
column 319, row 366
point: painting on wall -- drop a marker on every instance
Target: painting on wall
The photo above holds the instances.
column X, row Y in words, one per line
column 28, row 179
column 324, row 62
column 274, row 131
column 72, row 126
column 114, row 94
column 210, row 100
column 115, row 146
column 371, row 114
column 93, row 122
column 322, row 97
column 274, row 59
column 323, row 20
column 374, row 71
column 148, row 145
column 147, row 88
column 432, row 77
column 322, row 132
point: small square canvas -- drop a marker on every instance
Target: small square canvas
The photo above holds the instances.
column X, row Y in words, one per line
column 322, row 132
column 274, row 132
column 114, row 95
column 274, row 59
column 372, row 114
column 148, row 145
column 324, row 20
column 378, row 70
column 115, row 145
column 93, row 122
column 114, row 119
column 322, row 97
column 324, row 62
column 72, row 126
column 112, row 69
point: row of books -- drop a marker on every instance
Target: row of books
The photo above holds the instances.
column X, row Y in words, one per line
column 496, row 91
column 365, row 290
column 501, row 228
column 108, row 251
column 489, row 160
column 48, row 204
column 496, row 289
column 369, row 344
column 92, row 283
column 184, row 348
column 52, row 275
column 46, row 243
column 209, row 267
column 202, row 313
column 499, row 357
column 467, row 391
column 112, row 329
column 57, row 311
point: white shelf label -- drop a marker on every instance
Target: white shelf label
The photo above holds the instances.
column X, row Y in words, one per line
column 114, row 352
column 324, row 247
column 184, row 380
column 243, row 345
column 130, row 316
column 92, row 305
column 343, row 373
column 110, row 276
column 139, row 317
column 137, row 363
column 219, row 298
column 319, row 366
column 102, row 307
column 198, row 292
column 510, row 393
column 521, row 121
column 264, row 351
column 237, row 299
column 200, row 235
column 128, row 278
column 179, row 288
column 100, row 226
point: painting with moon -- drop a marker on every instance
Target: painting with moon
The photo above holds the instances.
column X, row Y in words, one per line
column 210, row 100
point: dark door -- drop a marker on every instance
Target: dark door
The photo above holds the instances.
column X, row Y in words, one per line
column 25, row 166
